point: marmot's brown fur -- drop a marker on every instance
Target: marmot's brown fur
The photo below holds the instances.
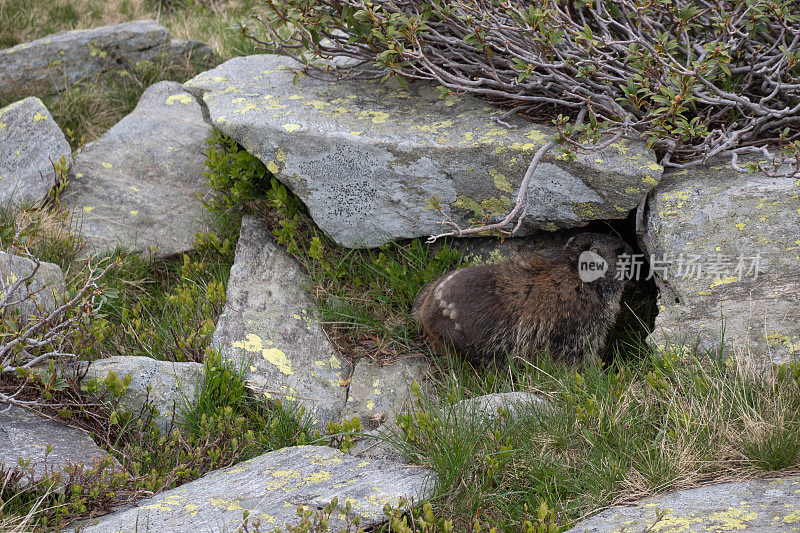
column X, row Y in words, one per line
column 524, row 306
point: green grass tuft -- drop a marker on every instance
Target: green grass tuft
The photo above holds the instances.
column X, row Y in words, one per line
column 616, row 434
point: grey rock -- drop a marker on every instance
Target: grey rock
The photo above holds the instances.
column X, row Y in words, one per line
column 58, row 61
column 763, row 506
column 30, row 143
column 167, row 386
column 27, row 435
column 378, row 393
column 138, row 185
column 488, row 406
column 366, row 158
column 37, row 296
column 271, row 487
column 268, row 327
column 715, row 217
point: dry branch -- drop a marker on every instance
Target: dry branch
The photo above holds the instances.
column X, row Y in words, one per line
column 35, row 341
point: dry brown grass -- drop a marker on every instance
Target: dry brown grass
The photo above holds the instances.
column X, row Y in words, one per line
column 25, row 21
column 13, row 523
column 210, row 22
column 48, row 234
column 87, row 110
column 214, row 28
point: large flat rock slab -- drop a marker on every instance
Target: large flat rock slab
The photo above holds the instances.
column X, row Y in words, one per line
column 169, row 387
column 27, row 435
column 271, row 487
column 763, row 506
column 367, row 157
column 138, row 185
column 268, row 327
column 58, row 61
column 728, row 248
column 30, row 143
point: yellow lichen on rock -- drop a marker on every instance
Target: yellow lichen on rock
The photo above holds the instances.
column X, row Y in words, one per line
column 724, row 280
column 537, row 136
column 254, row 343
column 433, row 128
column 278, row 358
column 501, row 182
column 178, row 98
column 779, row 339
column 228, row 505
column 378, row 117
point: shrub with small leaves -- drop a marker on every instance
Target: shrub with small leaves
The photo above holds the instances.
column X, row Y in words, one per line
column 235, row 175
column 52, row 501
column 172, row 320
column 342, row 435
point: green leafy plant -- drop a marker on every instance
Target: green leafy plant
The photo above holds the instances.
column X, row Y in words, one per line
column 227, row 424
column 236, row 175
column 52, row 500
column 342, row 435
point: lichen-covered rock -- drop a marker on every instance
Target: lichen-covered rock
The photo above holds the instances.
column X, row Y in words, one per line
column 727, row 247
column 167, row 386
column 378, row 393
column 30, row 143
column 268, row 327
column 36, row 296
column 57, row 61
column 27, row 435
column 138, row 185
column 271, row 487
column 763, row 506
column 367, row 157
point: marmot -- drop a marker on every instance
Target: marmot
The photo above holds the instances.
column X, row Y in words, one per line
column 527, row 304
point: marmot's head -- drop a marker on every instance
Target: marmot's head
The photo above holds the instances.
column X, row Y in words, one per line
column 600, row 259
